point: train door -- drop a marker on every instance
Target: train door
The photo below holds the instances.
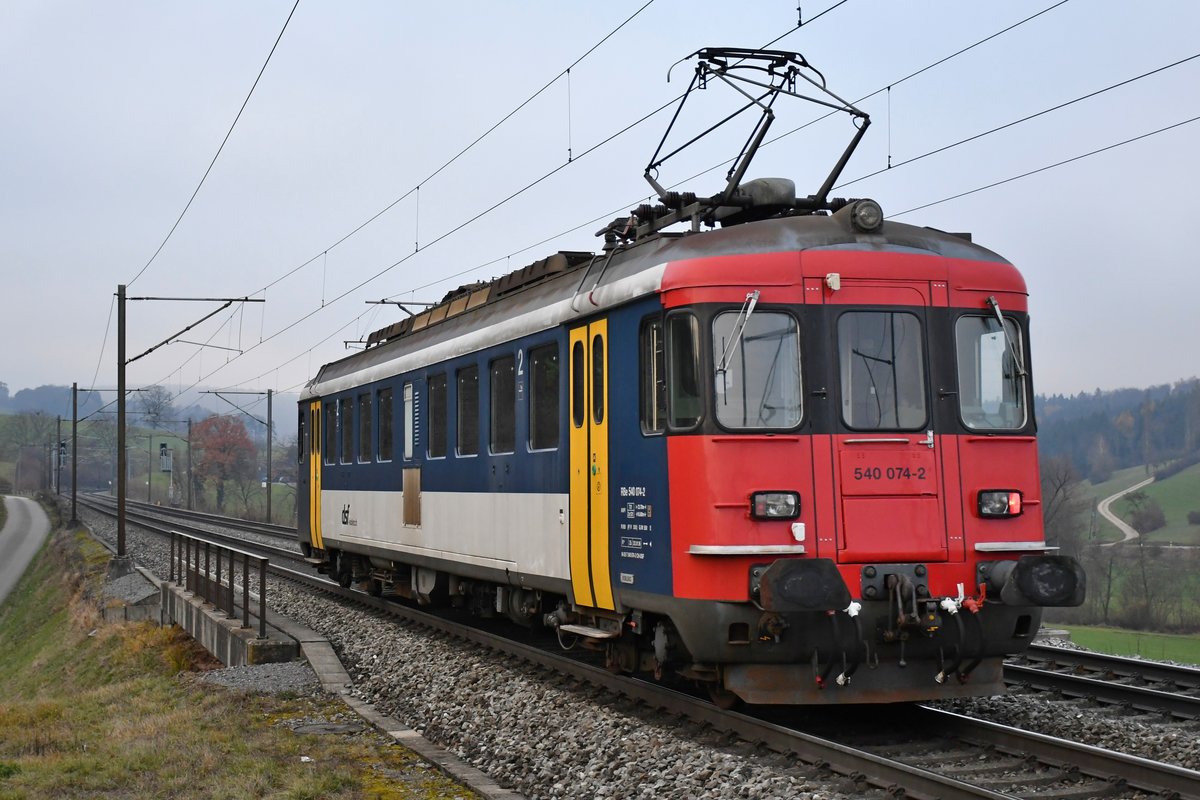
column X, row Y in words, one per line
column 591, row 580
column 314, row 475
column 887, row 463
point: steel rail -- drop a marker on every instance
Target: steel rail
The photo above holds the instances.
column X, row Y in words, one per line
column 237, row 523
column 1142, row 698
column 1167, row 780
column 150, row 521
column 1185, row 677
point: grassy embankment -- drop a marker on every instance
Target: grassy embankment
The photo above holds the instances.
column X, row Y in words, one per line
column 117, row 711
column 1158, row 646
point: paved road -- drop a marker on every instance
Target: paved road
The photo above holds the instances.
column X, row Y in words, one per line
column 20, row 540
column 1122, row 526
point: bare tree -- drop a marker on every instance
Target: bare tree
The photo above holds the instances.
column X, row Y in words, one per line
column 1064, row 506
column 156, row 404
column 247, row 491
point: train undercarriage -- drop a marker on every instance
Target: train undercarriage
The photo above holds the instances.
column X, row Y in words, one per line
column 791, row 646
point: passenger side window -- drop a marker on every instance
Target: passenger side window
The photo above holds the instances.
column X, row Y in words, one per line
column 543, row 398
column 438, row 415
column 346, row 426
column 683, row 371
column 330, row 433
column 365, row 440
column 504, row 405
column 653, row 372
column 385, row 424
column 412, row 420
column 468, row 411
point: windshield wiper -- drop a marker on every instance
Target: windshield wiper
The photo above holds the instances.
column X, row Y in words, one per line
column 1012, row 347
column 739, row 327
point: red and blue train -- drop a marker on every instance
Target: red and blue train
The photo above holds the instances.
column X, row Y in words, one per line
column 793, row 459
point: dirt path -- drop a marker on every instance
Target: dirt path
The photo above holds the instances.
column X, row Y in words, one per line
column 20, row 540
column 1104, row 508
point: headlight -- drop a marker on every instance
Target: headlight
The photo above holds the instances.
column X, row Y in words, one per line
column 774, row 505
column 866, row 215
column 999, row 503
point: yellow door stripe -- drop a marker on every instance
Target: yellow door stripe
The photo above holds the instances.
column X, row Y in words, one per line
column 314, row 482
column 598, row 420
column 581, row 583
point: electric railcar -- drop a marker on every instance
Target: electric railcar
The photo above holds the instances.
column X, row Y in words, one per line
column 793, row 459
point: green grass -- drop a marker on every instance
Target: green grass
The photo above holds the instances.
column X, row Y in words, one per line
column 1177, row 495
column 1158, row 646
column 116, row 711
column 1121, row 479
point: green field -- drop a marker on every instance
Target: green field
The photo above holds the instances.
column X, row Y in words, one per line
column 1158, row 646
column 1177, row 495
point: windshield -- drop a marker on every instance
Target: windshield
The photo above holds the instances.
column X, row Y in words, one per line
column 759, row 386
column 882, row 369
column 991, row 384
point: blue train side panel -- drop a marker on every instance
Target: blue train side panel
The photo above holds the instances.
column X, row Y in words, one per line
column 639, row 518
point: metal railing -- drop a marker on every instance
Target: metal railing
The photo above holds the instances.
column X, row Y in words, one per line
column 196, row 566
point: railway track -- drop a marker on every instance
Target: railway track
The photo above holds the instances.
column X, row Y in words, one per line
column 1145, row 686
column 919, row 751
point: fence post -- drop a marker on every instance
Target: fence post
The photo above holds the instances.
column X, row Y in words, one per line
column 217, row 586
column 245, row 590
column 207, row 572
column 232, row 607
column 262, row 598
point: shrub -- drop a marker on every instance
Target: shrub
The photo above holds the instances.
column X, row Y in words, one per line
column 1149, row 517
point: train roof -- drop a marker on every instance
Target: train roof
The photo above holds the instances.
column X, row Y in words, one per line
column 571, row 285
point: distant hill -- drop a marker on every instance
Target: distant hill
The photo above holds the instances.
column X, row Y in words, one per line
column 1104, row 431
column 54, row 401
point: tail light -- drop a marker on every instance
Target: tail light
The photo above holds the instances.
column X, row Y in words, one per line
column 1000, row 503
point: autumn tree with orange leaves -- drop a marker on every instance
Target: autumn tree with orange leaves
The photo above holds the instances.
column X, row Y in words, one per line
column 222, row 452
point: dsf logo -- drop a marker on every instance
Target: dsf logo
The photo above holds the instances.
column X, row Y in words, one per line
column 346, row 515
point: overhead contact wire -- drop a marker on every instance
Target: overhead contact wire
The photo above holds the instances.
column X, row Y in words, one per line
column 1027, row 118
column 1048, row 167
column 219, row 149
column 466, row 149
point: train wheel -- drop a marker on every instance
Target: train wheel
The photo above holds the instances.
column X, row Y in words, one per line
column 722, row 698
column 345, row 571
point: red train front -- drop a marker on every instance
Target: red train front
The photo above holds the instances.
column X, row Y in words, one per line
column 852, row 488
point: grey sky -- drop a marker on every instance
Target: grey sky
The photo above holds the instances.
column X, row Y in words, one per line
column 114, row 110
